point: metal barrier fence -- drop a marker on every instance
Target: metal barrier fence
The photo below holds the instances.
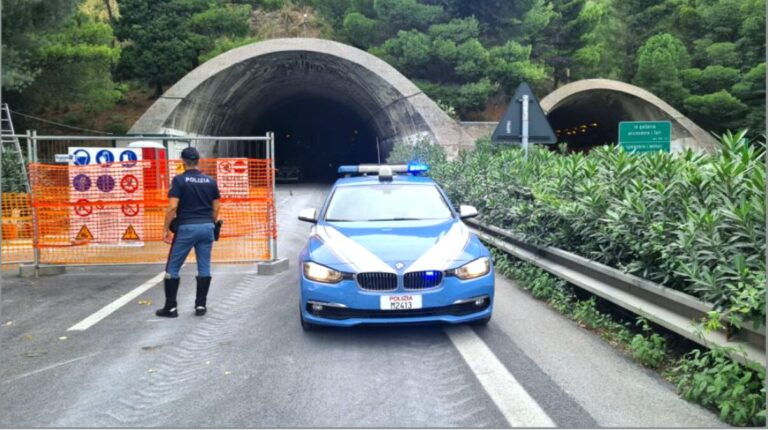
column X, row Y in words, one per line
column 103, row 208
column 17, row 229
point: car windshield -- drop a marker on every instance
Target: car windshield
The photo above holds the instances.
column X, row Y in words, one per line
column 387, row 202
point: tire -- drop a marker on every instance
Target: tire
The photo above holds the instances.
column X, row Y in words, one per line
column 306, row 325
column 481, row 322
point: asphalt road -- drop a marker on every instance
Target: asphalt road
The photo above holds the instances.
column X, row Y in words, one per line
column 248, row 363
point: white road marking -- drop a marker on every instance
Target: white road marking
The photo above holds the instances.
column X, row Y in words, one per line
column 117, row 304
column 52, row 366
column 517, row 406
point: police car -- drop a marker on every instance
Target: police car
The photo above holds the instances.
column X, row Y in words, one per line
column 387, row 247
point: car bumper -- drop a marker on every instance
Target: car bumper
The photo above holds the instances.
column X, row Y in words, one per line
column 346, row 305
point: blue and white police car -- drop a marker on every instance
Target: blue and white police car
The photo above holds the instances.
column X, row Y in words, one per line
column 388, row 247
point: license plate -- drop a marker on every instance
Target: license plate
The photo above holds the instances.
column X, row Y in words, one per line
column 401, row 303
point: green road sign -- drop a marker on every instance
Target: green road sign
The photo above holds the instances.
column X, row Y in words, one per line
column 645, row 136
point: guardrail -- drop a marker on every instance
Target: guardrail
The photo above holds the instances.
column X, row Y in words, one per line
column 664, row 306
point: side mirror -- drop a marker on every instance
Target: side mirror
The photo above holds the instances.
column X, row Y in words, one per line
column 467, row 211
column 308, row 215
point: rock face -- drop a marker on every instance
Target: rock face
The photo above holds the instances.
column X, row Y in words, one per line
column 233, row 93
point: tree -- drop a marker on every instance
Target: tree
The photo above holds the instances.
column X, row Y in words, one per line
column 602, row 54
column 76, row 67
column 511, row 64
column 709, row 80
column 719, row 110
column 751, row 91
column 160, row 44
column 453, row 66
column 26, row 23
column 560, row 39
column 226, row 20
column 659, row 63
column 723, row 54
column 397, row 15
column 359, row 30
column 502, row 20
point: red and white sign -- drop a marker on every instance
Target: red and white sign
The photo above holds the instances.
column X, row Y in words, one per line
column 232, row 177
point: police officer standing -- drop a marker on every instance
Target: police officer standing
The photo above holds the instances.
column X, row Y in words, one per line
column 194, row 204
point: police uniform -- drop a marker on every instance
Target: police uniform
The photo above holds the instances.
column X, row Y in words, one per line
column 194, row 229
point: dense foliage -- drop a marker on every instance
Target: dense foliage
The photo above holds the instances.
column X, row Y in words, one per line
column 711, row 378
column 705, row 57
column 693, row 222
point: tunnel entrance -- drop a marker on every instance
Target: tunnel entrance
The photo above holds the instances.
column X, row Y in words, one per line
column 327, row 103
column 584, row 122
column 586, row 114
column 314, row 135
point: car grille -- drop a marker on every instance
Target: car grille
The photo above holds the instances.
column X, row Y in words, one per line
column 377, row 281
column 345, row 313
column 422, row 280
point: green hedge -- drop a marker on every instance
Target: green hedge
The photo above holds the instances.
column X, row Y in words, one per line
column 693, row 222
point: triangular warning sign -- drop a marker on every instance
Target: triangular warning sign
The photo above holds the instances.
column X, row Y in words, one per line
column 84, row 234
column 130, row 234
column 510, row 128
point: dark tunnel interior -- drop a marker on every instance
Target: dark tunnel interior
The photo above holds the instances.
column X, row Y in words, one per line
column 314, row 135
column 586, row 122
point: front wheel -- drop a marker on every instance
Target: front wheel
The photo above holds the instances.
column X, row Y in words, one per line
column 306, row 325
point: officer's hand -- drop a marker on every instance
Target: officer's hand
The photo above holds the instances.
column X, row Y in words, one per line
column 168, row 237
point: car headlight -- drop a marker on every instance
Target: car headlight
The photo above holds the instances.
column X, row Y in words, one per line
column 474, row 269
column 318, row 273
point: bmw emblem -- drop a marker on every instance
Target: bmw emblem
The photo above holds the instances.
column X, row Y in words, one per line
column 399, row 265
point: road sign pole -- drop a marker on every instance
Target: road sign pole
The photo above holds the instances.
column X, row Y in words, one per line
column 525, row 125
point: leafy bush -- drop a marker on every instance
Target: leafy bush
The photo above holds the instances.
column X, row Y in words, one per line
column 693, row 222
column 13, row 180
column 714, row 380
column 423, row 150
column 649, row 348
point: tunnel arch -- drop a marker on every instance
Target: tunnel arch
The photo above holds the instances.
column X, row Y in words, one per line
column 574, row 105
column 235, row 92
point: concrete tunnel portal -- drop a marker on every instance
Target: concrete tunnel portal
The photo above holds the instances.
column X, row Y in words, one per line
column 327, row 103
column 330, row 104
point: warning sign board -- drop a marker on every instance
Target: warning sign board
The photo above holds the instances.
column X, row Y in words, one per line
column 130, row 234
column 101, row 181
column 232, row 177
column 84, row 234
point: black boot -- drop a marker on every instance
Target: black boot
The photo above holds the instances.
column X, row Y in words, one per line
column 171, row 288
column 203, row 283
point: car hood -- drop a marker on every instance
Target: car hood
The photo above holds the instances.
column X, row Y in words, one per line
column 394, row 247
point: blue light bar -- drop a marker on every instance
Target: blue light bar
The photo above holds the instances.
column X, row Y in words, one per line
column 417, row 168
column 343, row 170
column 413, row 168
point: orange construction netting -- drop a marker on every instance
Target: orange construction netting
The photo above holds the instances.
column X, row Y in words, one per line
column 113, row 213
column 17, row 229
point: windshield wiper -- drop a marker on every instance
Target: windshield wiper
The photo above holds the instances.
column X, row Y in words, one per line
column 338, row 220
